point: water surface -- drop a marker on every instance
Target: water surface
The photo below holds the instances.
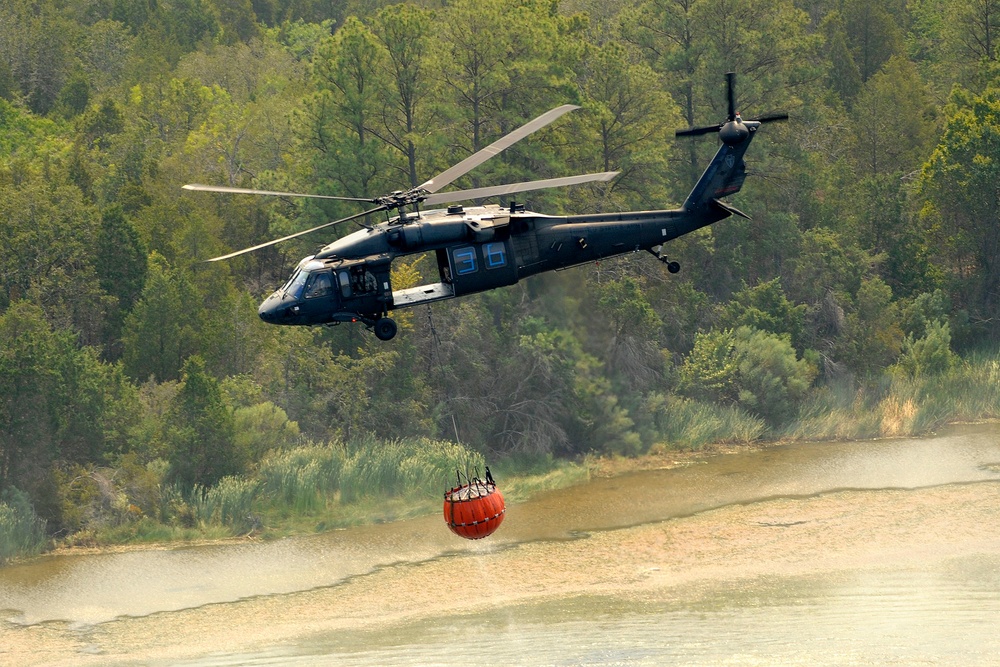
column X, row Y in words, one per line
column 881, row 552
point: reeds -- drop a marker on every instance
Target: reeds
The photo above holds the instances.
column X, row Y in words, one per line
column 22, row 533
column 306, row 478
column 899, row 405
column 683, row 423
column 231, row 503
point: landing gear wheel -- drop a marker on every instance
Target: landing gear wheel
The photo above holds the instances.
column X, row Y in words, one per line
column 673, row 267
column 385, row 328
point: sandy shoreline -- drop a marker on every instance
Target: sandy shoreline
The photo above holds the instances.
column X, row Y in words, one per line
column 844, row 530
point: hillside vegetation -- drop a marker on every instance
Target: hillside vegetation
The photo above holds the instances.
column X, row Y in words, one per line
column 141, row 397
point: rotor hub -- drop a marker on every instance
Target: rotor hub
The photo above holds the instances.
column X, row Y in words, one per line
column 734, row 132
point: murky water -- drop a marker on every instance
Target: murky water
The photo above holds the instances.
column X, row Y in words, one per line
column 828, row 553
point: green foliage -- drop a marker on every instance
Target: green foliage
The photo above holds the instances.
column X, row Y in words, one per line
column 261, row 428
column 158, row 333
column 930, row 354
column 872, row 336
column 960, row 185
column 709, row 371
column 765, row 307
column 872, row 251
column 627, row 308
column 201, row 431
column 22, row 533
column 747, row 367
column 772, row 382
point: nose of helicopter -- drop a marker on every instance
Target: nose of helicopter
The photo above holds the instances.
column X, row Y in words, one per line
column 268, row 310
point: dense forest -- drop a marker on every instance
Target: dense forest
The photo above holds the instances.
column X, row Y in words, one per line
column 138, row 388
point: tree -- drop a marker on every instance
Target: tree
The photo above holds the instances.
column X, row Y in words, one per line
column 874, row 33
column 633, row 355
column 979, row 25
column 772, row 381
column 29, row 381
column 236, row 19
column 630, row 121
column 872, row 336
column 766, row 308
column 201, row 432
column 46, row 255
column 930, row 354
column 121, row 268
column 501, row 63
column 885, row 163
column 844, row 75
column 407, row 114
column 58, row 404
column 757, row 370
column 335, row 126
column 960, row 188
column 158, row 334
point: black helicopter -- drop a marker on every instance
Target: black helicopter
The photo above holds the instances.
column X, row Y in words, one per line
column 480, row 248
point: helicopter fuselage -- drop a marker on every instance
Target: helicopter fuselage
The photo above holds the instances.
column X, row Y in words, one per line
column 476, row 248
column 480, row 248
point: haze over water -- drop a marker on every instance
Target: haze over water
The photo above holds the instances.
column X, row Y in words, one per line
column 823, row 553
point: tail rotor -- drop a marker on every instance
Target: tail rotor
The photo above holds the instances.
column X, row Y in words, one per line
column 733, row 130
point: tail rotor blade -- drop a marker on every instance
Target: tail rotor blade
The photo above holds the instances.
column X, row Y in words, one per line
column 296, row 234
column 731, row 94
column 698, row 131
column 771, row 117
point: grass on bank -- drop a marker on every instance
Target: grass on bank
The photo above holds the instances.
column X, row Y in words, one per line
column 900, row 405
column 320, row 487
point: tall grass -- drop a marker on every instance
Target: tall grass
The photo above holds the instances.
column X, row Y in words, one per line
column 231, row 502
column 683, row 423
column 307, row 478
column 398, row 467
column 900, row 405
column 304, row 478
column 22, row 533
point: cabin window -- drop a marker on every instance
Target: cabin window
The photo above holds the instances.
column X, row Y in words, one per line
column 319, row 285
column 495, row 255
column 362, row 280
column 464, row 260
column 344, row 278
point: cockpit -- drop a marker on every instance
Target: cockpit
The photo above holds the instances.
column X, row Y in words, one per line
column 320, row 291
column 308, row 284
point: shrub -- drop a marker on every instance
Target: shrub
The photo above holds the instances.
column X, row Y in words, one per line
column 754, row 369
column 22, row 533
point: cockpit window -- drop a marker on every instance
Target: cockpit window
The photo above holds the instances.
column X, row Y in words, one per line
column 294, row 285
column 319, row 285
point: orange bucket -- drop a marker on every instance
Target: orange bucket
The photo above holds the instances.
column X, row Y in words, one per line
column 474, row 510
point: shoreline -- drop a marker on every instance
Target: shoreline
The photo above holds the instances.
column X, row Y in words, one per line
column 596, row 467
column 676, row 562
column 602, row 467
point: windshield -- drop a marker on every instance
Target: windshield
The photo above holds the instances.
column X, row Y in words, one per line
column 294, row 285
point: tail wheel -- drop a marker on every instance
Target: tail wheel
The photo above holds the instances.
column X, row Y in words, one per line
column 385, row 328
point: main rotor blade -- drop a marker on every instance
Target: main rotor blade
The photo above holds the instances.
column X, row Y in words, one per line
column 476, row 159
column 496, row 190
column 292, row 236
column 243, row 191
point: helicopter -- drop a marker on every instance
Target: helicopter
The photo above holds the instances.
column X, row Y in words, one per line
column 484, row 247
